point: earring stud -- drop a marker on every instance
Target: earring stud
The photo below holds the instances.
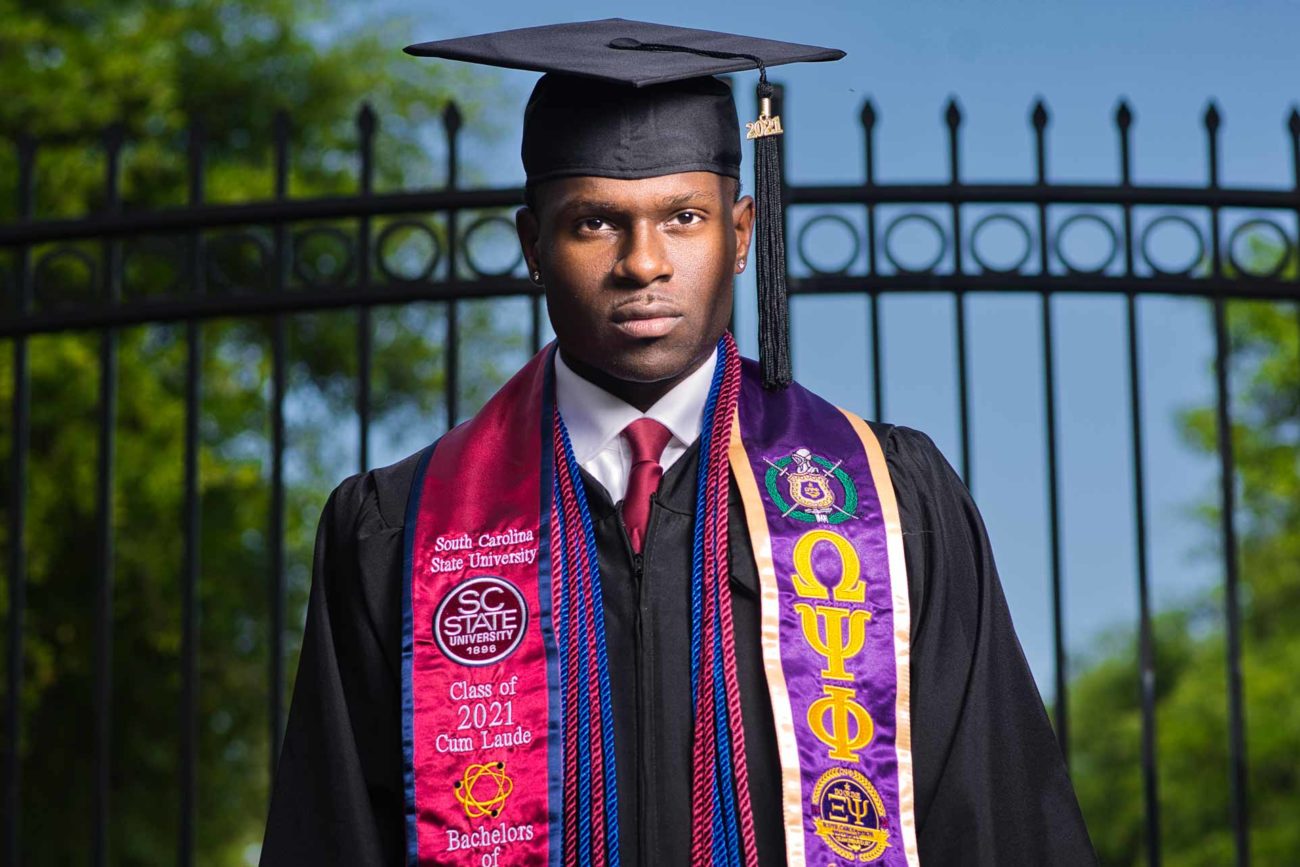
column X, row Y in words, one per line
column 537, row 277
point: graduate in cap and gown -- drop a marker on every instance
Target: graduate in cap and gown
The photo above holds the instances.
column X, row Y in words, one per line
column 656, row 604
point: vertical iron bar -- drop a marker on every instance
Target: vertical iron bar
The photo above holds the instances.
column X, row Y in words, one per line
column 1227, row 474
column 276, row 613
column 868, row 118
column 1146, row 634
column 366, row 123
column 1236, row 733
column 1039, row 119
column 365, row 355
column 952, row 118
column 26, row 147
column 1124, row 122
column 103, row 689
column 191, row 521
column 278, row 341
column 451, row 121
column 877, row 376
column 1293, row 127
column 535, row 323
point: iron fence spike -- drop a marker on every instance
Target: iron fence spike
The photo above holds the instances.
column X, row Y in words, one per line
column 451, row 117
column 367, row 121
column 868, row 114
column 1212, row 117
column 1123, row 114
column 952, row 113
column 1039, row 114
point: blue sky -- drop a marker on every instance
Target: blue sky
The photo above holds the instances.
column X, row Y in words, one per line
column 996, row 57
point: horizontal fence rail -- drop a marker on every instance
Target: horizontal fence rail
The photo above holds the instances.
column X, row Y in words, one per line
column 291, row 256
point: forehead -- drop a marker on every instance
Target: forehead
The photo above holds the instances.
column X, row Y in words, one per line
column 638, row 194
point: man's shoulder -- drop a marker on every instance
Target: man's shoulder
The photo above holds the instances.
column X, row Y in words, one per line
column 903, row 443
column 918, row 468
column 377, row 496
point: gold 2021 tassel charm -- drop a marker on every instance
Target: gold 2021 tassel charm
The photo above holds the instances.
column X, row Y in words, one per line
column 766, row 124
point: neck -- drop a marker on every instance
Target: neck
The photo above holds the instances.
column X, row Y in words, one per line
column 641, row 395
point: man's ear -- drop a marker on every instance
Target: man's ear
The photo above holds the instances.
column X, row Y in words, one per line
column 528, row 229
column 742, row 215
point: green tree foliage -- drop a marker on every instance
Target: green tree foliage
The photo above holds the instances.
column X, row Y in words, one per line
column 1191, row 680
column 68, row 70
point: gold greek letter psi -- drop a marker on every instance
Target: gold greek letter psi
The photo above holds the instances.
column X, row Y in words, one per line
column 845, row 633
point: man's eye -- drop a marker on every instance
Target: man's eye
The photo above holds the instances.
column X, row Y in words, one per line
column 687, row 218
column 593, row 224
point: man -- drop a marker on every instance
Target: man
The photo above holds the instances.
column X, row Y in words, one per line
column 652, row 605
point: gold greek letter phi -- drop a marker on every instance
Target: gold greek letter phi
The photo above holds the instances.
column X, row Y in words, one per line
column 845, row 713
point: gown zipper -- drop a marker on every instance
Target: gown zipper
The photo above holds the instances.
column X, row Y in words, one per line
column 642, row 778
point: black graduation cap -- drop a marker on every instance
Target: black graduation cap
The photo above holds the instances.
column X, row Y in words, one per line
column 629, row 99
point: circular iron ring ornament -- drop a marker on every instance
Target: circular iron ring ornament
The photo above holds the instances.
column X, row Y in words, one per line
column 41, row 271
column 165, row 250
column 1075, row 219
column 468, row 249
column 381, row 257
column 229, row 243
column 1283, row 242
column 312, row 276
column 1001, row 217
column 926, row 219
column 1165, row 220
column 833, row 219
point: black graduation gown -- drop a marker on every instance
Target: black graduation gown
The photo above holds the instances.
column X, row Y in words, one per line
column 991, row 788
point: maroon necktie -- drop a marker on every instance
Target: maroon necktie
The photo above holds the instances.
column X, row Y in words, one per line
column 647, row 438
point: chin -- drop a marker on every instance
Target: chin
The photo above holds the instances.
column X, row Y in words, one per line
column 649, row 363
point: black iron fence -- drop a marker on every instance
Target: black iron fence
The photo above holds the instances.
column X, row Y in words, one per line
column 267, row 242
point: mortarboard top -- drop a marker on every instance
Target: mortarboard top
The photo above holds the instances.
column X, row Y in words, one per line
column 588, row 50
column 630, row 99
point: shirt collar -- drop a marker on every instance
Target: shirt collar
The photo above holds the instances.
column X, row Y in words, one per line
column 595, row 417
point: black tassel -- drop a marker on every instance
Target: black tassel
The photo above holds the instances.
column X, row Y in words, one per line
column 769, row 247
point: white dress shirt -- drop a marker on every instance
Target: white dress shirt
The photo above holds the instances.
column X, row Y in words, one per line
column 595, row 419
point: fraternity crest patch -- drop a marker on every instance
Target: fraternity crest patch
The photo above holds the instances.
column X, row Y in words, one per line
column 811, row 488
column 849, row 815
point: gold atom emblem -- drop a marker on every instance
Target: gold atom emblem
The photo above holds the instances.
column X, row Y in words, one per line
column 483, row 790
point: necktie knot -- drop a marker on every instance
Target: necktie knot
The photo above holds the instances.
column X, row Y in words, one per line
column 646, row 438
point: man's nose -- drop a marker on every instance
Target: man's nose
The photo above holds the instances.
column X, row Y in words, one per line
column 644, row 258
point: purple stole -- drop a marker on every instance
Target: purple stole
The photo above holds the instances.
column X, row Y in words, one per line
column 506, row 732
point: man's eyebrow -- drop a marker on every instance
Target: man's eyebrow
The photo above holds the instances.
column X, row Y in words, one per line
column 687, row 198
column 668, row 203
column 598, row 205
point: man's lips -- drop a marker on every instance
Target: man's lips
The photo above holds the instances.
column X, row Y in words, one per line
column 653, row 319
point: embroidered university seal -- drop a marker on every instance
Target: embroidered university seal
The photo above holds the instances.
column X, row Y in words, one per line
column 480, row 621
